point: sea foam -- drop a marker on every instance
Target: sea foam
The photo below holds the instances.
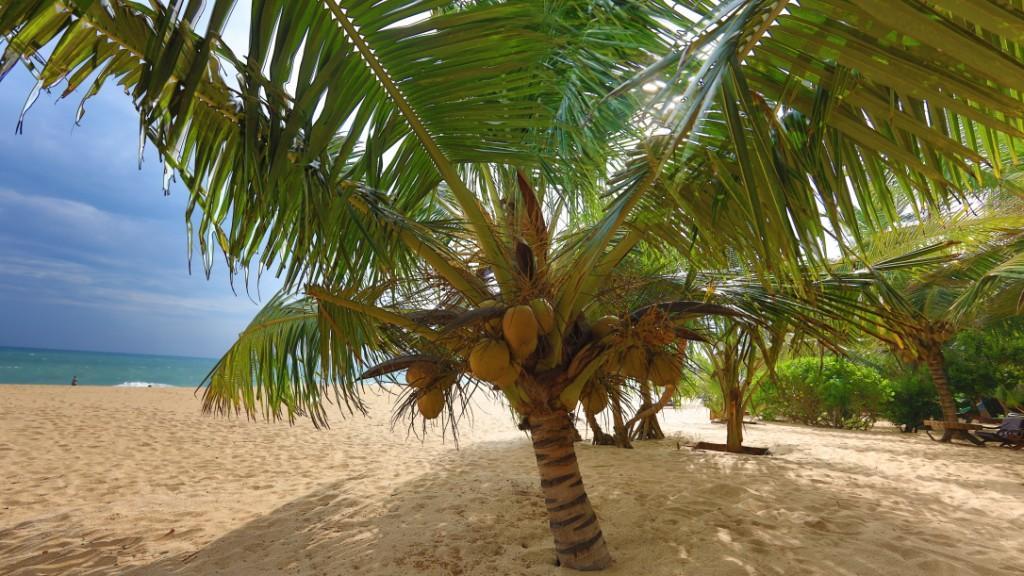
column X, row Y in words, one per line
column 143, row 385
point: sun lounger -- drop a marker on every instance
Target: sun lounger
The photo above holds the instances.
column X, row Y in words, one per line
column 1009, row 433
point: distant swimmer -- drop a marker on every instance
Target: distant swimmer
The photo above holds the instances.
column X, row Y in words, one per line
column 74, row 380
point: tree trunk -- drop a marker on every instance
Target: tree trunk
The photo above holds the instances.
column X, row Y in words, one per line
column 618, row 424
column 937, row 369
column 733, row 421
column 579, row 543
column 649, row 428
column 601, row 438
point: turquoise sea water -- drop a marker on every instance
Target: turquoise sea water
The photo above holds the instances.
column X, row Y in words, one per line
column 38, row 366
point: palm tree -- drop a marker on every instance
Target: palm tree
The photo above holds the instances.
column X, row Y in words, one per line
column 739, row 352
column 977, row 282
column 737, row 357
column 446, row 186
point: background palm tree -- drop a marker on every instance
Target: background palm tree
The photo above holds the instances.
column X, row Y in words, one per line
column 976, row 282
column 737, row 357
column 416, row 170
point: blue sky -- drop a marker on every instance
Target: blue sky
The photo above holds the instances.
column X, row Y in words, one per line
column 92, row 255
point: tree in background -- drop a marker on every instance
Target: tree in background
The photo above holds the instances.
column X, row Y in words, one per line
column 965, row 274
column 735, row 356
column 989, row 362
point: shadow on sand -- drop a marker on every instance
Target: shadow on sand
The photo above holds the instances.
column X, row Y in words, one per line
column 478, row 511
column 664, row 511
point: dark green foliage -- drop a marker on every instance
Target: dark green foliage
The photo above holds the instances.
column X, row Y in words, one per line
column 913, row 398
column 988, row 363
column 825, row 391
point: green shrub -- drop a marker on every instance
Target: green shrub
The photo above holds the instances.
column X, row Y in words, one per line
column 913, row 398
column 824, row 391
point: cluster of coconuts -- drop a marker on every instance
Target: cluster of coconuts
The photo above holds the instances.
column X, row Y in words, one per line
column 634, row 362
column 430, row 383
column 661, row 367
column 498, row 357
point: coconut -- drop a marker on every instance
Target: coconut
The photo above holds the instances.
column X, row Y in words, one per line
column 489, row 359
column 420, row 374
column 604, row 326
column 508, row 379
column 634, row 363
column 664, row 369
column 544, row 314
column 523, row 352
column 520, row 329
column 430, row 403
column 595, row 400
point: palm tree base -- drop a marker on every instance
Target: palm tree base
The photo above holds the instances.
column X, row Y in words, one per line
column 601, row 438
column 648, row 428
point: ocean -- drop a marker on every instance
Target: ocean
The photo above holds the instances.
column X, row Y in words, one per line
column 39, row 366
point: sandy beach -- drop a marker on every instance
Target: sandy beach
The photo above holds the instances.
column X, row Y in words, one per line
column 137, row 481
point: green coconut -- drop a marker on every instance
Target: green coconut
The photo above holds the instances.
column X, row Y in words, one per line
column 420, row 374
column 509, row 378
column 604, row 326
column 489, row 359
column 544, row 314
column 520, row 328
column 430, row 403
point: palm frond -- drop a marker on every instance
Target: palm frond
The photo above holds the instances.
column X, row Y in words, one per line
column 284, row 363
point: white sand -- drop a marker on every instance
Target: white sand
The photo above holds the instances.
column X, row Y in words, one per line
column 136, row 481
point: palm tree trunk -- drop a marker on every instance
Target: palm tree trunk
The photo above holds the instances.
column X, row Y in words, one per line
column 618, row 423
column 601, row 438
column 579, row 543
column 733, row 421
column 649, row 428
column 937, row 369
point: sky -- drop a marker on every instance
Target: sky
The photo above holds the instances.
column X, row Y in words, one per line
column 93, row 256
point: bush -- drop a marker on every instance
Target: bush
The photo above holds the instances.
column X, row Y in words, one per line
column 825, row 391
column 913, row 398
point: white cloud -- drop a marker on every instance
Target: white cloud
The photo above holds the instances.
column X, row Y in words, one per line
column 45, row 269
column 69, row 283
column 69, row 211
column 40, row 224
column 72, row 253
